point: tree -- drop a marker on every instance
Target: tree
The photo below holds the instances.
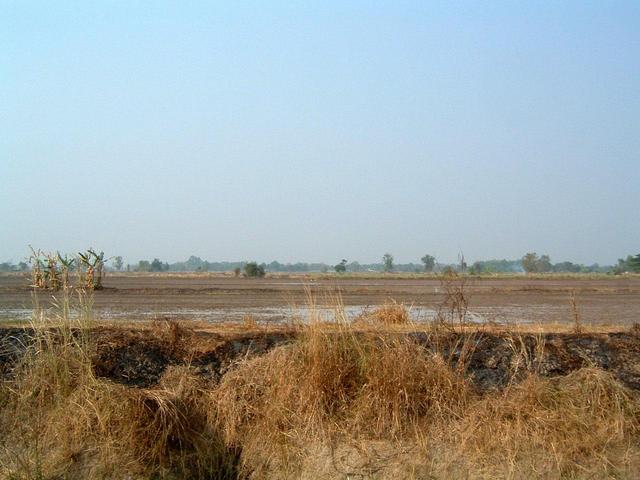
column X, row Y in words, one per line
column 448, row 271
column 156, row 265
column 341, row 267
column 477, row 268
column 252, row 269
column 629, row 264
column 544, row 264
column 143, row 266
column 532, row 263
column 568, row 267
column 387, row 262
column 236, row 271
column 118, row 263
column 462, row 263
column 429, row 262
column 7, row 267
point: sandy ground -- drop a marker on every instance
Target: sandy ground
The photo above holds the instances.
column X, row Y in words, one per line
column 614, row 300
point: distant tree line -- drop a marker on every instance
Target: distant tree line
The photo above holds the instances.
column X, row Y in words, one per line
column 10, row 267
column 529, row 263
column 154, row 265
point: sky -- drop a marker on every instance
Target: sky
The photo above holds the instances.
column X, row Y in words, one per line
column 316, row 131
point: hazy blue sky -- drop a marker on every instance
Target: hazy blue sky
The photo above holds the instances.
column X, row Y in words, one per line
column 315, row 131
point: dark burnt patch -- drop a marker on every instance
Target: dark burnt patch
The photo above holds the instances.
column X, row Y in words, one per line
column 139, row 357
column 13, row 343
column 139, row 364
column 216, row 363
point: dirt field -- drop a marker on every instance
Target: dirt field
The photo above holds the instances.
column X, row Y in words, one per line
column 216, row 298
column 377, row 398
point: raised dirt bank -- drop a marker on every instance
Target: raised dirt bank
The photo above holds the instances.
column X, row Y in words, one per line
column 138, row 357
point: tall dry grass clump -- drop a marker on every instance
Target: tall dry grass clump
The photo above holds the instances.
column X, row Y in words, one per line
column 334, row 384
column 60, row 421
column 389, row 313
column 583, row 425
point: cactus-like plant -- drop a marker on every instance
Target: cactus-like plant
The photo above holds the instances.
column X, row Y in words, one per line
column 94, row 265
column 98, row 265
column 51, row 274
column 67, row 264
column 37, row 276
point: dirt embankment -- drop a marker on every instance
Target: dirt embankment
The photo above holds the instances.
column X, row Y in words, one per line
column 139, row 357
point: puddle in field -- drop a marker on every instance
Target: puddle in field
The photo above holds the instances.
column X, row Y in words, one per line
column 261, row 314
column 500, row 314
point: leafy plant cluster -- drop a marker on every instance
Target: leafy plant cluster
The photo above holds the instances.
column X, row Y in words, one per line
column 52, row 271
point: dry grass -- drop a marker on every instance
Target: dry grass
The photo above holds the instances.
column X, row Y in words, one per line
column 280, row 407
column 342, row 399
column 60, row 421
column 584, row 425
column 389, row 313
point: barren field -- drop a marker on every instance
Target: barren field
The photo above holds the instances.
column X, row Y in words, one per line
column 219, row 297
column 380, row 397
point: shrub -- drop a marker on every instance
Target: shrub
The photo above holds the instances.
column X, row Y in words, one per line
column 252, row 269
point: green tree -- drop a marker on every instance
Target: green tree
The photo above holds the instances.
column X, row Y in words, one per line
column 462, row 264
column 7, row 267
column 448, row 271
column 143, row 266
column 530, row 262
column 341, row 267
column 477, row 268
column 429, row 262
column 157, row 265
column 544, row 264
column 634, row 263
column 252, row 269
column 387, row 262
column 118, row 263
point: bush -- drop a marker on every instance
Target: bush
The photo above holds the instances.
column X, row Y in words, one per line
column 252, row 269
